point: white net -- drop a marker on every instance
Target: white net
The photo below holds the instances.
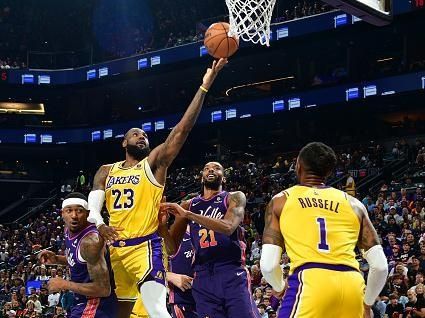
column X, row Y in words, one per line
column 250, row 19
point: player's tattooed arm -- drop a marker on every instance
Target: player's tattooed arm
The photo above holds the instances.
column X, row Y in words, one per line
column 49, row 257
column 162, row 156
column 272, row 233
column 92, row 250
column 367, row 235
column 100, row 177
column 234, row 215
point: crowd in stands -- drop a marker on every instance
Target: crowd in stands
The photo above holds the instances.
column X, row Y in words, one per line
column 26, row 26
column 397, row 212
column 7, row 63
column 194, row 21
column 300, row 10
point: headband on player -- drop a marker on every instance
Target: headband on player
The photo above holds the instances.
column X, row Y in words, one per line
column 75, row 201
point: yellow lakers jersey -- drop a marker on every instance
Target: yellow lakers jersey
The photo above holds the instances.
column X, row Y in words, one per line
column 132, row 199
column 319, row 225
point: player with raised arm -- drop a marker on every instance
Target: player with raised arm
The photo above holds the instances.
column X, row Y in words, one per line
column 87, row 256
column 319, row 227
column 133, row 189
column 221, row 287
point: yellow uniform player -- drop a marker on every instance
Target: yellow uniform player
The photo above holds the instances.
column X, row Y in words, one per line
column 133, row 190
column 319, row 227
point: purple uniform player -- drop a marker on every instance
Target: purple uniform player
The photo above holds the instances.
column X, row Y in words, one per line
column 86, row 255
column 180, row 278
column 221, row 287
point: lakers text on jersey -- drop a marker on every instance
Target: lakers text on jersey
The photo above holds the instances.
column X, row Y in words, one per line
column 132, row 199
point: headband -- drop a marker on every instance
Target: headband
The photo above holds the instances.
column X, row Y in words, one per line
column 75, row 201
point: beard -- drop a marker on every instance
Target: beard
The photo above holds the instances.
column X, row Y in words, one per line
column 213, row 184
column 136, row 152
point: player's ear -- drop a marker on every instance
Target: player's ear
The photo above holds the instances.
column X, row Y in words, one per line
column 124, row 143
column 298, row 166
column 224, row 180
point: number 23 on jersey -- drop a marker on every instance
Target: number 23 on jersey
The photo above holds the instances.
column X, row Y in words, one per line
column 123, row 200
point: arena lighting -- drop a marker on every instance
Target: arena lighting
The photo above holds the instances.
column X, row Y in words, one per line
column 376, row 12
column 385, row 59
column 22, row 108
column 258, row 83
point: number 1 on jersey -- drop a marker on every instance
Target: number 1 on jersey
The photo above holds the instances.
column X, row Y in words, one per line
column 322, row 246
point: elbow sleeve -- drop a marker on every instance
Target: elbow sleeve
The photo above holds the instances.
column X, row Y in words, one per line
column 378, row 272
column 270, row 266
column 96, row 199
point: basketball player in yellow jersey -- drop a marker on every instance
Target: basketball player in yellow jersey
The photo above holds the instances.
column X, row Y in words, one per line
column 319, row 227
column 133, row 190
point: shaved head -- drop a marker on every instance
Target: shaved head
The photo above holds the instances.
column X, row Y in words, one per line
column 133, row 130
column 214, row 163
column 136, row 143
column 213, row 175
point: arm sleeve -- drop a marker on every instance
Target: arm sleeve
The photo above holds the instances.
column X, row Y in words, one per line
column 378, row 272
column 270, row 266
column 96, row 199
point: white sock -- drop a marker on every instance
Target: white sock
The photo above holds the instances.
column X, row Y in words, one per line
column 154, row 299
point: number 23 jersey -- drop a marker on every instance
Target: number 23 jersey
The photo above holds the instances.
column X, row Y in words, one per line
column 213, row 248
column 132, row 199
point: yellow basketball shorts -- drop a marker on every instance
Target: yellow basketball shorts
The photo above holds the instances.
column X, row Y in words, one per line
column 134, row 263
column 322, row 290
column 139, row 310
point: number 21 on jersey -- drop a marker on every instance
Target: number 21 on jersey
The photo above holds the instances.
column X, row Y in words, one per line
column 207, row 238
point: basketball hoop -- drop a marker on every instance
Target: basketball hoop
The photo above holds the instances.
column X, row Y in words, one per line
column 250, row 19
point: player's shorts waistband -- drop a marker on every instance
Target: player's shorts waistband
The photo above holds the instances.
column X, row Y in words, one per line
column 214, row 267
column 332, row 267
column 134, row 241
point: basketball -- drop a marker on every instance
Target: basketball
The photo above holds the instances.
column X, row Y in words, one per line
column 217, row 41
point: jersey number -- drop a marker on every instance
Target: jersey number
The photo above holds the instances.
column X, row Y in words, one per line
column 129, row 198
column 203, row 233
column 323, row 245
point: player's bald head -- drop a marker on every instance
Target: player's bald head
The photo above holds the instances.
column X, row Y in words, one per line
column 136, row 143
column 214, row 163
column 132, row 131
column 213, row 175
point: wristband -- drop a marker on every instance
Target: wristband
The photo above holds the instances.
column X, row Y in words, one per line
column 203, row 89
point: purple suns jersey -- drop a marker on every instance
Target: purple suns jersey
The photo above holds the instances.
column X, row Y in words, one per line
column 181, row 263
column 77, row 265
column 212, row 248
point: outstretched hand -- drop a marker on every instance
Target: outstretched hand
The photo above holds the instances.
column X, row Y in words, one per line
column 163, row 217
column 212, row 72
column 183, row 282
column 56, row 285
column 47, row 257
column 109, row 233
column 174, row 209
